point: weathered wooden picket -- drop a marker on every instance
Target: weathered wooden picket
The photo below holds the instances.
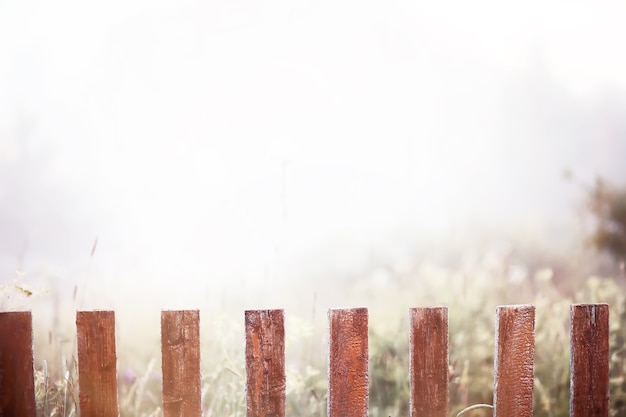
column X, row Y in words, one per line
column 348, row 392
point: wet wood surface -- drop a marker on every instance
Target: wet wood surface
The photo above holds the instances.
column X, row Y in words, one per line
column 180, row 353
column 265, row 363
column 97, row 364
column 589, row 364
column 514, row 361
column 428, row 355
column 17, row 385
column 348, row 390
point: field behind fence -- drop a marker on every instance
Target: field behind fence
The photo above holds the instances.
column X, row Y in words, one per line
column 348, row 361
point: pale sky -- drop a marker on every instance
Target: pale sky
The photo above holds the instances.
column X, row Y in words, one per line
column 225, row 137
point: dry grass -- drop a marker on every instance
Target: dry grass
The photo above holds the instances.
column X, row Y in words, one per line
column 471, row 291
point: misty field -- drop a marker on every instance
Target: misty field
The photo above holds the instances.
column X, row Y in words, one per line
column 238, row 155
column 471, row 289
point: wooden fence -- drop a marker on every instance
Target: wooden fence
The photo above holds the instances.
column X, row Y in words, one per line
column 348, row 392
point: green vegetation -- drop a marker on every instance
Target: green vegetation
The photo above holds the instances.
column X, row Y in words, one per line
column 471, row 292
column 472, row 287
column 607, row 204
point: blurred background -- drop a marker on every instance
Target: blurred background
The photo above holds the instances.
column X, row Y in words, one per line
column 240, row 154
column 258, row 142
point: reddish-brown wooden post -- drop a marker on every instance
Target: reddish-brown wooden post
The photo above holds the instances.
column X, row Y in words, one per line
column 428, row 351
column 589, row 361
column 348, row 383
column 265, row 363
column 97, row 363
column 514, row 361
column 180, row 352
column 17, row 384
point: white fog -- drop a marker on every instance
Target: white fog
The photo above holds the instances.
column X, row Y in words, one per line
column 251, row 143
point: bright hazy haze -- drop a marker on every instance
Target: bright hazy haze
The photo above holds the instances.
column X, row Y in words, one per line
column 204, row 142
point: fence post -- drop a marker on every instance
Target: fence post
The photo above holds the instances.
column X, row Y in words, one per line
column 348, row 383
column 97, row 363
column 180, row 354
column 265, row 363
column 428, row 354
column 514, row 361
column 589, row 361
column 17, row 384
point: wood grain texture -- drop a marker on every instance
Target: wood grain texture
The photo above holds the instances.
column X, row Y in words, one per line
column 348, row 390
column 514, row 361
column 17, row 385
column 180, row 353
column 589, row 361
column 265, row 363
column 97, row 364
column 428, row 356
